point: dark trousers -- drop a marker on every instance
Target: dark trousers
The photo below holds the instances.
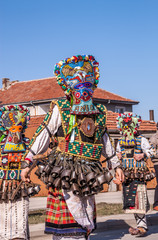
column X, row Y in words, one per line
column 156, row 189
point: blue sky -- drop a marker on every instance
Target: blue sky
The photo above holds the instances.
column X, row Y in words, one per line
column 121, row 34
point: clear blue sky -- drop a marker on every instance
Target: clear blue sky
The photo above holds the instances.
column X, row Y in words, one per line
column 121, row 34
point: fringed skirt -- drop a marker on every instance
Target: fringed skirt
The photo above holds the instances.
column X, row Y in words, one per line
column 14, row 219
column 59, row 220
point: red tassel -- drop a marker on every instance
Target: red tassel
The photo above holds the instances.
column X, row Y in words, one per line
column 67, row 137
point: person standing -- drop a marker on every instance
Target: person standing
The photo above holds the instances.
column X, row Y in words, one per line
column 13, row 144
column 154, row 142
column 73, row 172
column 133, row 150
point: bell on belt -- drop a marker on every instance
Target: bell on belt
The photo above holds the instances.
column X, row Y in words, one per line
column 37, row 189
column 81, row 179
column 41, row 168
column 56, row 171
column 90, row 177
column 65, row 175
column 47, row 169
column 65, row 185
column 108, row 176
column 86, row 191
column 50, row 179
column 75, row 189
column 73, row 177
column 30, row 191
column 95, row 187
column 101, row 179
column 57, row 183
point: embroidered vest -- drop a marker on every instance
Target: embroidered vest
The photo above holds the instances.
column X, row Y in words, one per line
column 128, row 150
column 10, row 159
column 90, row 148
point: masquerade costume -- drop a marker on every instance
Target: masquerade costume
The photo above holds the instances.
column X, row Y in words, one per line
column 13, row 144
column 72, row 171
column 134, row 150
column 154, row 142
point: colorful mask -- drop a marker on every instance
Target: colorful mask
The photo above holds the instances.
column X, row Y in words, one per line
column 78, row 76
column 128, row 125
column 13, row 121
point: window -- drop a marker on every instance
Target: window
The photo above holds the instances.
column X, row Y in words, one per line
column 119, row 109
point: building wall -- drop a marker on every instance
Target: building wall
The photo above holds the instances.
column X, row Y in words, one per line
column 39, row 109
column 119, row 108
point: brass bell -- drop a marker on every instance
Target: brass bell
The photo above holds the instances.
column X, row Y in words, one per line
column 101, row 179
column 108, row 176
column 52, row 161
column 37, row 189
column 57, row 183
column 47, row 169
column 45, row 179
column 95, row 187
column 75, row 189
column 41, row 168
column 50, row 179
column 56, row 171
column 73, row 178
column 30, row 191
column 90, row 177
column 65, row 185
column 86, row 191
column 65, row 175
column 81, row 179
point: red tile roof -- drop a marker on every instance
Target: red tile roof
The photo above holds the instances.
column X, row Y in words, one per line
column 103, row 94
column 45, row 89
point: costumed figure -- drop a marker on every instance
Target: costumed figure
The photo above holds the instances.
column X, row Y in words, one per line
column 154, row 142
column 14, row 202
column 133, row 150
column 72, row 171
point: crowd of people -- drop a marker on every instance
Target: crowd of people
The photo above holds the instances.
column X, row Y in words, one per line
column 74, row 131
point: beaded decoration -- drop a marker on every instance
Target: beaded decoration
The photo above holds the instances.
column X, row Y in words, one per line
column 13, row 122
column 128, row 125
column 13, row 115
column 73, row 60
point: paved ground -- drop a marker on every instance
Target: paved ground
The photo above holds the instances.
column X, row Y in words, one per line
column 105, row 234
column 123, row 234
column 108, row 227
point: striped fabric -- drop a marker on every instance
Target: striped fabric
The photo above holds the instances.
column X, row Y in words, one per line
column 130, row 162
column 59, row 220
